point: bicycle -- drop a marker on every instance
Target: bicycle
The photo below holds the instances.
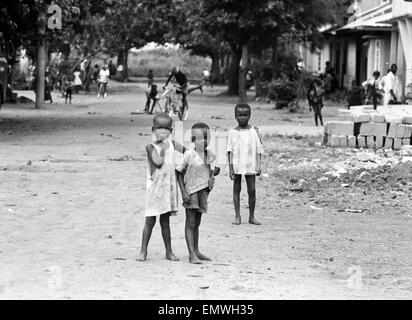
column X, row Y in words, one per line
column 173, row 103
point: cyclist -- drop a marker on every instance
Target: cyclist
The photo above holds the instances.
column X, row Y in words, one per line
column 183, row 83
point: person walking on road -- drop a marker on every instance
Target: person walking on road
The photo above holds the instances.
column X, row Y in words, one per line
column 104, row 75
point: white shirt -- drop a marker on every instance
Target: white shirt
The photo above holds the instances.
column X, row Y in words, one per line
column 388, row 83
column 104, row 76
column 244, row 144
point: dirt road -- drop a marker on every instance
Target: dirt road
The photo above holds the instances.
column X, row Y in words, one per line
column 72, row 187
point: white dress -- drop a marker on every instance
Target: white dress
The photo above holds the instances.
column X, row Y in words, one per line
column 244, row 144
column 77, row 79
column 161, row 187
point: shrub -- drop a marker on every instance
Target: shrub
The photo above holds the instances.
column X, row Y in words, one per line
column 282, row 92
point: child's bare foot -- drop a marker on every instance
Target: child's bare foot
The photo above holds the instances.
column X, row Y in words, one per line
column 238, row 221
column 142, row 256
column 171, row 257
column 254, row 221
column 203, row 257
column 194, row 260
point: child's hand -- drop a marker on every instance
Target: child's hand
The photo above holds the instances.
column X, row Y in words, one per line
column 216, row 171
column 231, row 173
column 185, row 196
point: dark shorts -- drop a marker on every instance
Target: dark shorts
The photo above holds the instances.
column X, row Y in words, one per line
column 198, row 201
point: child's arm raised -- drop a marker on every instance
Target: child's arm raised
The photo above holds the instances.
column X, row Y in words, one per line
column 178, row 147
column 156, row 159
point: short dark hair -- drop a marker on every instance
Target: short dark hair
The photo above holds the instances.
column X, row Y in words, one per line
column 162, row 116
column 377, row 73
column 201, row 126
column 243, row 106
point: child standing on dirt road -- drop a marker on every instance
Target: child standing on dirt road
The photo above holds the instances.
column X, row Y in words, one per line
column 196, row 179
column 244, row 150
column 161, row 190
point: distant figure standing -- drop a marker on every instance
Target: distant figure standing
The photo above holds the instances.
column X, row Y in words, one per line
column 354, row 96
column 330, row 78
column 391, row 86
column 77, row 80
column 150, row 78
column 112, row 69
column 206, row 78
column 67, row 88
column 315, row 98
column 103, row 81
column 372, row 89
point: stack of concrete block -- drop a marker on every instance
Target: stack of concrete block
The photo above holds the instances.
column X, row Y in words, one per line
column 364, row 127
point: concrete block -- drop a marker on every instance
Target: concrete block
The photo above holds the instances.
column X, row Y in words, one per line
column 335, row 141
column 374, row 129
column 379, row 142
column 406, row 142
column 340, row 128
column 362, row 142
column 389, row 143
column 361, row 108
column 400, row 131
column 345, row 117
column 393, row 128
column 407, row 120
column 393, row 119
column 378, row 118
column 343, row 141
column 370, row 142
column 352, row 141
column 344, row 111
column 361, row 117
column 357, row 108
column 408, row 130
column 397, row 144
column 326, row 140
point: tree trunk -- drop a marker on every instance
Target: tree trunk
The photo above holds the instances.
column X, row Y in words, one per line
column 275, row 58
column 215, row 72
column 126, row 66
column 122, row 59
column 41, row 59
column 259, row 87
column 233, row 77
column 243, row 72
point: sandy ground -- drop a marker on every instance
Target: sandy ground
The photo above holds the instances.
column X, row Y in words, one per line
column 72, row 187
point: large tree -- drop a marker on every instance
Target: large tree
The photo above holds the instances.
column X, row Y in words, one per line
column 251, row 26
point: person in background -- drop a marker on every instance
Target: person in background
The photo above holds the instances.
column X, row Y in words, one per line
column 391, row 86
column 315, row 98
column 112, row 69
column 150, row 78
column 103, row 82
column 373, row 94
column 151, row 97
column 77, row 80
column 48, row 87
column 206, row 78
column 354, row 96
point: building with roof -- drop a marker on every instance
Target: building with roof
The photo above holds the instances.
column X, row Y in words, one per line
column 378, row 34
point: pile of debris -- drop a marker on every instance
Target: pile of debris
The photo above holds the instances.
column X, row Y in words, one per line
column 387, row 127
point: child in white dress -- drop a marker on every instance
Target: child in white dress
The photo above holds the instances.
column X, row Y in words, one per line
column 244, row 151
column 161, row 190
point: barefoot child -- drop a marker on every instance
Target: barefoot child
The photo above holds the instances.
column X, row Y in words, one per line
column 195, row 177
column 161, row 190
column 244, row 156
